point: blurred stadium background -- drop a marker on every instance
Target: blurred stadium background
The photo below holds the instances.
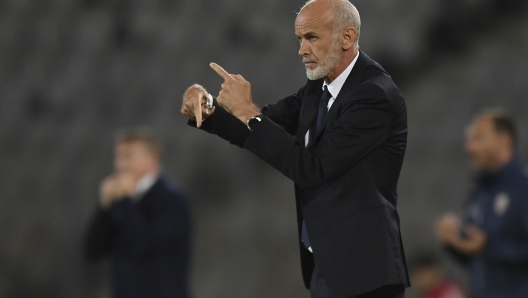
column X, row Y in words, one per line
column 73, row 72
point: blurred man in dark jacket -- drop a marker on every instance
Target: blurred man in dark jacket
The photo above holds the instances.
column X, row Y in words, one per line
column 143, row 223
column 493, row 239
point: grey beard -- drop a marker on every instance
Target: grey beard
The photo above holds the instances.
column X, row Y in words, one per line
column 317, row 73
column 326, row 66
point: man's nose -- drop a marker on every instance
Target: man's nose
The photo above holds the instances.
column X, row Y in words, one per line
column 304, row 48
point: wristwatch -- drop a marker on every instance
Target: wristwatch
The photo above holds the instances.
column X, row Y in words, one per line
column 253, row 121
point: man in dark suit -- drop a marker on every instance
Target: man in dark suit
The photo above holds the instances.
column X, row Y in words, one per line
column 143, row 223
column 341, row 139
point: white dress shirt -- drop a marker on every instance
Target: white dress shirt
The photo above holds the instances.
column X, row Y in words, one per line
column 144, row 184
column 335, row 86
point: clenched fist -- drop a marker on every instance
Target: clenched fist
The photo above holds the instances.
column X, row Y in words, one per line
column 195, row 104
column 116, row 187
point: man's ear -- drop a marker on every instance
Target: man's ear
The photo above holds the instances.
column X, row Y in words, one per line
column 349, row 36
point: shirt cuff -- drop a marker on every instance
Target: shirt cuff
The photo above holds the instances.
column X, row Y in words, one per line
column 209, row 101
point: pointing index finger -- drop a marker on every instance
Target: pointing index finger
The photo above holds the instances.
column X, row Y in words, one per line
column 220, row 71
column 197, row 105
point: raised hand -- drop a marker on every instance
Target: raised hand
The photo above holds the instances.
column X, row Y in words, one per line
column 106, row 192
column 448, row 230
column 235, row 95
column 116, row 187
column 474, row 241
column 195, row 104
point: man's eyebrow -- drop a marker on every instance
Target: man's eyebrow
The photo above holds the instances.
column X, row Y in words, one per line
column 309, row 33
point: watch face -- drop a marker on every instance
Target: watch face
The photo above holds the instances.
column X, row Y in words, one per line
column 252, row 122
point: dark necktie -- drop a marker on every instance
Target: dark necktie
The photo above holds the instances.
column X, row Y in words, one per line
column 321, row 113
column 323, row 108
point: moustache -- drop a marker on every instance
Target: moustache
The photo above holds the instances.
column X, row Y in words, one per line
column 307, row 60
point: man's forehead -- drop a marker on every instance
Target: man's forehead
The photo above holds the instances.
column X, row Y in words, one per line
column 309, row 22
column 480, row 125
column 130, row 144
column 484, row 122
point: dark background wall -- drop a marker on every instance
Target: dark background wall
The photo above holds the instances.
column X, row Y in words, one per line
column 73, row 72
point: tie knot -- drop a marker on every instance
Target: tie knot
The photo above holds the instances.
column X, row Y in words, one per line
column 326, row 95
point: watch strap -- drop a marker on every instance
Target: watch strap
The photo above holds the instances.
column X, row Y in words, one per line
column 252, row 121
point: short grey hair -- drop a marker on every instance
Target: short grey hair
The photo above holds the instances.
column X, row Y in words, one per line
column 345, row 15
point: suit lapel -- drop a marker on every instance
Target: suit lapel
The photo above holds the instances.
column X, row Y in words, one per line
column 353, row 79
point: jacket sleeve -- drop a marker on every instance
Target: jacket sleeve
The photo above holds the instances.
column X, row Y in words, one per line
column 170, row 224
column 362, row 126
column 224, row 125
column 285, row 113
column 461, row 258
column 101, row 234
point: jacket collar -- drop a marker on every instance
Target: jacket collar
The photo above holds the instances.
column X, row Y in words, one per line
column 487, row 179
column 159, row 183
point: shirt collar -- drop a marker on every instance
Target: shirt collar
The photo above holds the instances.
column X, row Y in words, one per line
column 144, row 184
column 335, row 86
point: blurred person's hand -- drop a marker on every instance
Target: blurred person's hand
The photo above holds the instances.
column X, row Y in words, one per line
column 116, row 187
column 473, row 242
column 125, row 186
column 235, row 95
column 106, row 192
column 195, row 104
column 448, row 230
column 448, row 227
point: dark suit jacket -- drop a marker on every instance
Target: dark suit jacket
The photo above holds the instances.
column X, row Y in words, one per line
column 149, row 242
column 345, row 180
